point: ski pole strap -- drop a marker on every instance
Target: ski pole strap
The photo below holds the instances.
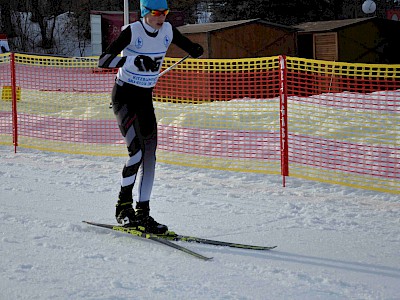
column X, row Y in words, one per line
column 174, row 65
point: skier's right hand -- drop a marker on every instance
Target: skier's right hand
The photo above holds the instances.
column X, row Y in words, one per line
column 146, row 63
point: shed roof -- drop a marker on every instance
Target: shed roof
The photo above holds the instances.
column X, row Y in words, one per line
column 322, row 26
column 209, row 27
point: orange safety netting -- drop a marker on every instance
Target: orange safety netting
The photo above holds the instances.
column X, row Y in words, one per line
column 342, row 119
column 6, row 121
column 344, row 123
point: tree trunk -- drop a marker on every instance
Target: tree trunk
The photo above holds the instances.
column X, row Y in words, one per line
column 6, row 24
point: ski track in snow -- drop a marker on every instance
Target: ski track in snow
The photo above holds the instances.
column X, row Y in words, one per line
column 333, row 242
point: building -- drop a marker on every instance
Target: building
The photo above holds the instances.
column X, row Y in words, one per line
column 240, row 39
column 362, row 40
column 4, row 44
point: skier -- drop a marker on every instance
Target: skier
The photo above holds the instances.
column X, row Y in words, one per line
column 144, row 44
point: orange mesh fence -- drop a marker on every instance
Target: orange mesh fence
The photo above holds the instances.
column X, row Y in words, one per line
column 6, row 128
column 343, row 119
column 344, row 123
column 220, row 80
column 64, row 107
column 220, row 114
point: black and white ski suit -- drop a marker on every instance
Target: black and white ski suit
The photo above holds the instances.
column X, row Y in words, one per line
column 143, row 51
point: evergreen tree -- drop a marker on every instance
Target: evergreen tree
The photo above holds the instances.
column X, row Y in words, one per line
column 287, row 12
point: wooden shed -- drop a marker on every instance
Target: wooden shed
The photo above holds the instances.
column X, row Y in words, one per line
column 363, row 40
column 240, row 39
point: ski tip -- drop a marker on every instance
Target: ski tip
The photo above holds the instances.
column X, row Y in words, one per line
column 205, row 258
column 266, row 248
column 88, row 222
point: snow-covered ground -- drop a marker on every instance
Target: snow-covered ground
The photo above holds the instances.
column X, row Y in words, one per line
column 333, row 242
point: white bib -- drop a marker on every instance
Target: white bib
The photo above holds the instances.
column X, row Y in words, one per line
column 137, row 70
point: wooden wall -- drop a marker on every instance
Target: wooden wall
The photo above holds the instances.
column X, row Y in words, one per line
column 248, row 40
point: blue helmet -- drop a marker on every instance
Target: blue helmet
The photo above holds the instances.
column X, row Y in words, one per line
column 147, row 5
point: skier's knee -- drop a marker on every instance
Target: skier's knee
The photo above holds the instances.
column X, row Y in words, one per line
column 134, row 158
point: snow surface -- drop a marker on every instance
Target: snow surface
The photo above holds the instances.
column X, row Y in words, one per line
column 333, row 242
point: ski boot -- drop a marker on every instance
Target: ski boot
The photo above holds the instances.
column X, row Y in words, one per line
column 145, row 222
column 124, row 213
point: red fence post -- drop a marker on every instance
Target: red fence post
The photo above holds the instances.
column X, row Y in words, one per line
column 14, row 101
column 283, row 118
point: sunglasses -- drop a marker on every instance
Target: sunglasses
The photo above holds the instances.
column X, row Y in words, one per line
column 158, row 13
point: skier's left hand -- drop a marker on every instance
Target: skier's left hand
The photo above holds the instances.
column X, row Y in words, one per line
column 196, row 51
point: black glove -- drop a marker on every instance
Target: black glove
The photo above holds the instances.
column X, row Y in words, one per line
column 196, row 50
column 145, row 63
